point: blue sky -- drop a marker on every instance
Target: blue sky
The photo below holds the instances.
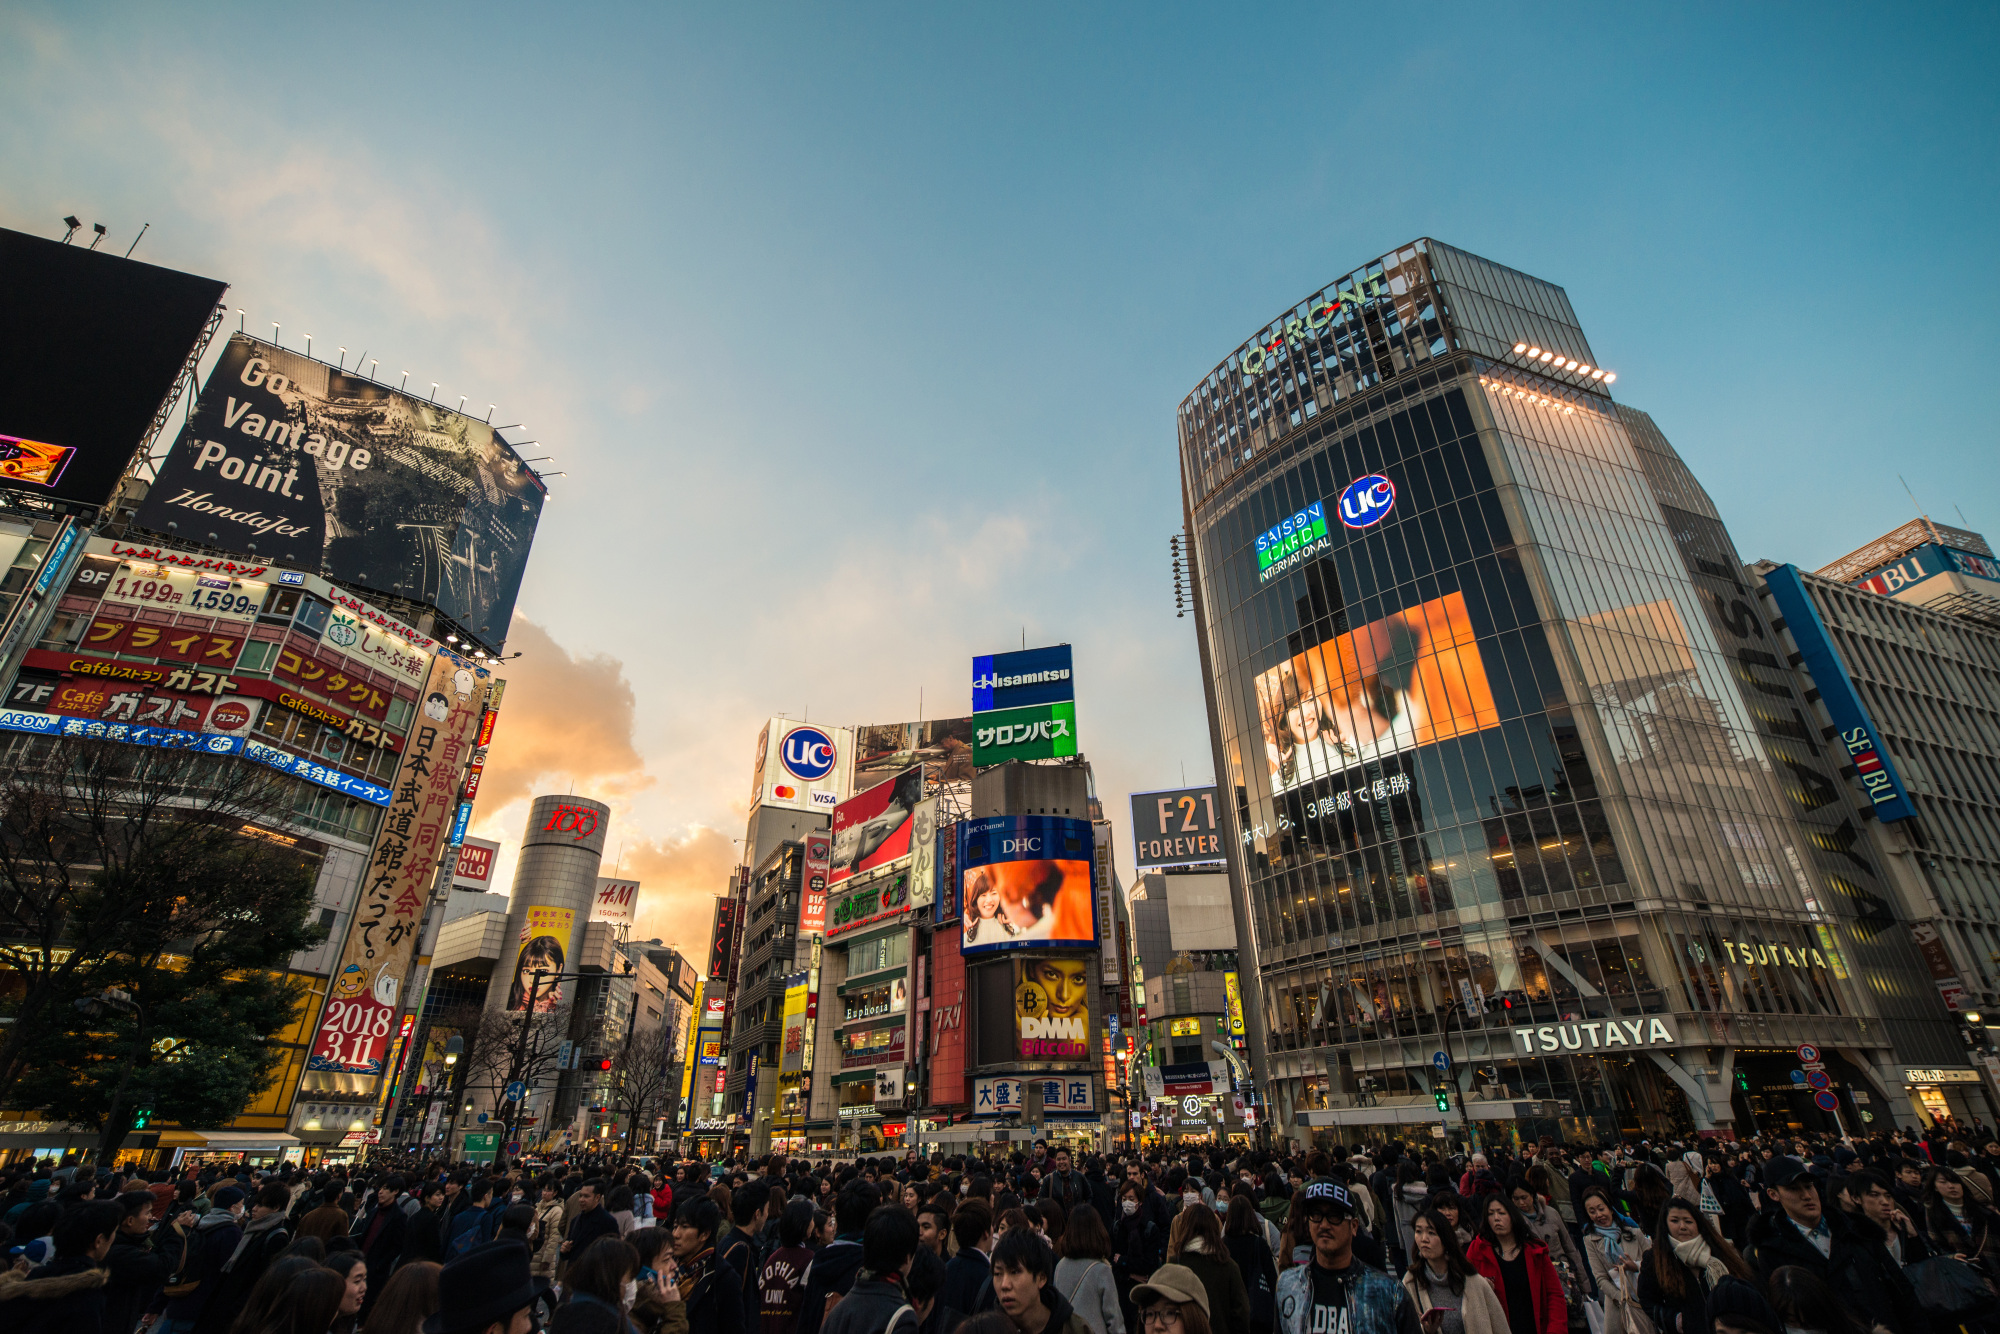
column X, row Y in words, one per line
column 859, row 328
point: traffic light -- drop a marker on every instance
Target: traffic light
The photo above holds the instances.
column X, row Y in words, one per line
column 604, row 1063
column 140, row 1117
column 1443, row 1095
column 1743, row 1081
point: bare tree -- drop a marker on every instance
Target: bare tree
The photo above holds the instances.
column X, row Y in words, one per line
column 495, row 1055
column 113, row 856
column 644, row 1076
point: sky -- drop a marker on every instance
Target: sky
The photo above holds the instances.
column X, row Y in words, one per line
column 858, row 330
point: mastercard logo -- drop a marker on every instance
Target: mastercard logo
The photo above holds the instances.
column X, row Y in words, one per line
column 783, row 793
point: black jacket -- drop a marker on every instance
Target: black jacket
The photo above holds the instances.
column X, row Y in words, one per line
column 1252, row 1255
column 716, row 1304
column 588, row 1227
column 1140, row 1240
column 738, row 1249
column 1104, row 1198
column 388, row 1245
column 1067, row 1189
column 964, row 1274
column 65, row 1296
column 137, row 1271
column 1872, row 1279
column 241, row 1269
column 833, row 1270
column 866, row 1309
column 422, row 1237
column 1691, row 1307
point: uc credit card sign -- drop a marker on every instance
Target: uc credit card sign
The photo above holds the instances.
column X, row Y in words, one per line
column 1013, row 680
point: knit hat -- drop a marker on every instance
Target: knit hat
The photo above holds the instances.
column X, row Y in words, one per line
column 226, row 1198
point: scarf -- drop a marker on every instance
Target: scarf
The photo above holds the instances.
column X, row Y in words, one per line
column 1613, row 1239
column 1694, row 1253
column 694, row 1271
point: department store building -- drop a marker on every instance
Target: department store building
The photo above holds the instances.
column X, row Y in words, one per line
column 1519, row 776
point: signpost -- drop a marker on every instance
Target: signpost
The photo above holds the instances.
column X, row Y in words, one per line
column 517, row 1091
column 1817, row 1079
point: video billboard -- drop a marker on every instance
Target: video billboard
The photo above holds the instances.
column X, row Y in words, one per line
column 1176, row 826
column 872, row 828
column 1052, row 1008
column 325, row 471
column 1407, row 680
column 92, row 345
column 883, row 750
column 801, row 766
column 1026, row 881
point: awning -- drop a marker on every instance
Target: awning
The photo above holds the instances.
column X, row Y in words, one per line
column 228, row 1141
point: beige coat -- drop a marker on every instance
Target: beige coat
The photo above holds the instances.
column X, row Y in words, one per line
column 1481, row 1311
column 1619, row 1289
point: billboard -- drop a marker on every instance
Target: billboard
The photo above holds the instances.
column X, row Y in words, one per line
column 1176, row 826
column 1025, row 880
column 883, row 750
column 873, row 828
column 1037, row 732
column 800, row 766
column 722, row 936
column 615, row 901
column 1052, row 1007
column 1291, row 540
column 792, row 1055
column 1854, row 729
column 812, row 901
column 1407, row 680
column 93, row 345
column 475, row 865
column 923, row 854
column 363, row 993
column 709, row 1036
column 872, row 900
column 1012, row 680
column 544, row 937
column 334, row 473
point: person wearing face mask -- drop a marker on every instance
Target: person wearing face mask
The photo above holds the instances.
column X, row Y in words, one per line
column 606, row 1274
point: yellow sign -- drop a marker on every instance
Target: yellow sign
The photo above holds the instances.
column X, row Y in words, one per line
column 1235, row 1000
column 1184, row 1028
column 687, row 1057
column 544, row 940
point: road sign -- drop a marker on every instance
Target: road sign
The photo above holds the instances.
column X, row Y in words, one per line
column 516, row 1091
column 1819, row 1079
column 482, row 1118
column 1442, row 1060
column 1808, row 1053
column 513, row 1148
column 1798, row 1076
column 1826, row 1101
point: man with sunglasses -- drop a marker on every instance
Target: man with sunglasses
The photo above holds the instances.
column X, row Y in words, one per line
column 1335, row 1293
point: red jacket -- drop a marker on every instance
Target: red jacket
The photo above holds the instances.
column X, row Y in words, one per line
column 1551, row 1312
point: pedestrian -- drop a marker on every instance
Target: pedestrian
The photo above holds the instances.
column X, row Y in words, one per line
column 423, row 1231
column 310, row 1304
column 1195, row 1243
column 781, row 1285
column 1330, row 1290
column 1247, row 1234
column 606, row 1274
column 1687, row 1262
column 409, row 1298
column 1508, row 1255
column 1023, row 1269
column 707, row 1285
column 352, row 1266
column 263, row 1239
column 1447, row 1295
column 486, row 1291
column 135, row 1269
column 1615, row 1249
column 66, row 1295
column 1084, row 1275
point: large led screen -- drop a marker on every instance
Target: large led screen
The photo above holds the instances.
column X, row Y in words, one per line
column 1406, row 680
column 90, row 348
column 303, row 465
column 1025, row 880
column 872, row 828
column 1052, row 1007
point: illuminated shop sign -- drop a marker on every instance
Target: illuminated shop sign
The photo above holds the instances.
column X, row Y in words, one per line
column 1855, row 729
column 1290, row 540
column 1300, row 331
column 1922, row 1075
column 1597, row 1035
column 1367, row 501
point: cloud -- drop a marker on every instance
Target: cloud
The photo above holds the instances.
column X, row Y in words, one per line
column 565, row 725
column 678, row 881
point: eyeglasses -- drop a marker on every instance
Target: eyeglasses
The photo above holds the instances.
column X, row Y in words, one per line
column 1328, row 1220
column 1161, row 1318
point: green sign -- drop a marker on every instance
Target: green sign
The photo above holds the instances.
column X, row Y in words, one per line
column 1037, row 732
column 1291, row 536
column 482, row 1144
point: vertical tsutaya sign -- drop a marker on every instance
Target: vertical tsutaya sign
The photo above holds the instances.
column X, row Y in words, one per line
column 363, row 995
column 1855, row 730
column 1177, row 826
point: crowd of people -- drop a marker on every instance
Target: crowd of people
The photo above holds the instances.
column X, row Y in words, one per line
column 1886, row 1235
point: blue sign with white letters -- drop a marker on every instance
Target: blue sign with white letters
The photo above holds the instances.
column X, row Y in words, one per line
column 1367, row 501
column 1014, row 680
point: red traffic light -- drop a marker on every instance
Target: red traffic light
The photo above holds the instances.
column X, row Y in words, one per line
column 604, row 1064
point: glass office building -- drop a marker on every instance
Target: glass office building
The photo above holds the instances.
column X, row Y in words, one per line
column 1507, row 782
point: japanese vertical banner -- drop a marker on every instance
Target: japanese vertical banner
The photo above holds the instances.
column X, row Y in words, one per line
column 364, row 993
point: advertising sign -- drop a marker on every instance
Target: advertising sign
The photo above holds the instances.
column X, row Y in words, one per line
column 923, row 854
column 722, row 936
column 1001, row 1095
column 338, row 474
column 792, row 1055
column 1232, row 991
column 1038, row 732
column 1109, row 973
column 1407, row 680
column 1291, row 540
column 93, row 344
column 1927, row 562
column 1937, row 959
column 1855, row 731
column 363, row 994
column 615, row 901
column 1176, row 826
column 873, row 828
column 544, row 937
column 883, row 750
column 1191, row 1078
column 880, row 896
column 818, row 871
column 1052, row 1008
column 1011, row 680
column 713, row 1007
column 889, row 1086
column 475, row 865
column 1025, row 880
column 801, row 766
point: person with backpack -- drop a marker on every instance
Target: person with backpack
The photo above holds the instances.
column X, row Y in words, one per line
column 877, row 1304
column 264, row 1238
column 198, row 1257
column 478, row 1222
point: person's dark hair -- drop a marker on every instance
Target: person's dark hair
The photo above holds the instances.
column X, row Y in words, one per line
column 587, row 1318
column 853, row 1205
column 408, row 1299
column 619, row 1198
column 1802, row 1299
column 431, row 1189
column 972, row 1221
column 311, row 1300
column 1446, row 1198
column 1650, row 1191
column 1673, row 1275
column 747, row 1200
column 136, row 1202
column 272, row 1195
column 1026, row 1249
column 269, row 1290
column 648, row 1242
column 923, row 1279
column 78, row 1230
column 988, row 1322
column 1523, row 1234
column 1084, row 1237
column 1860, row 1182
column 1455, row 1267
column 1194, row 1220
column 342, row 1259
column 596, row 1184
column 700, row 1213
column 796, row 1222
column 601, row 1270
column 310, row 1248
column 1243, row 1219
column 479, row 1189
column 888, row 1239
column 1595, row 1190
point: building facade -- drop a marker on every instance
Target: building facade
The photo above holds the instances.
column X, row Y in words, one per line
column 1482, row 688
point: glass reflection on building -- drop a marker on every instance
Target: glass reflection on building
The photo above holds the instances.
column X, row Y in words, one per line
column 1506, row 782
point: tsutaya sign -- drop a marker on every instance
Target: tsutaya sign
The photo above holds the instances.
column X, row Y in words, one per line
column 1597, row 1035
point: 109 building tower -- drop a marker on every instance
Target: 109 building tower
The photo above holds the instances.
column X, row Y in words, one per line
column 1518, row 770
